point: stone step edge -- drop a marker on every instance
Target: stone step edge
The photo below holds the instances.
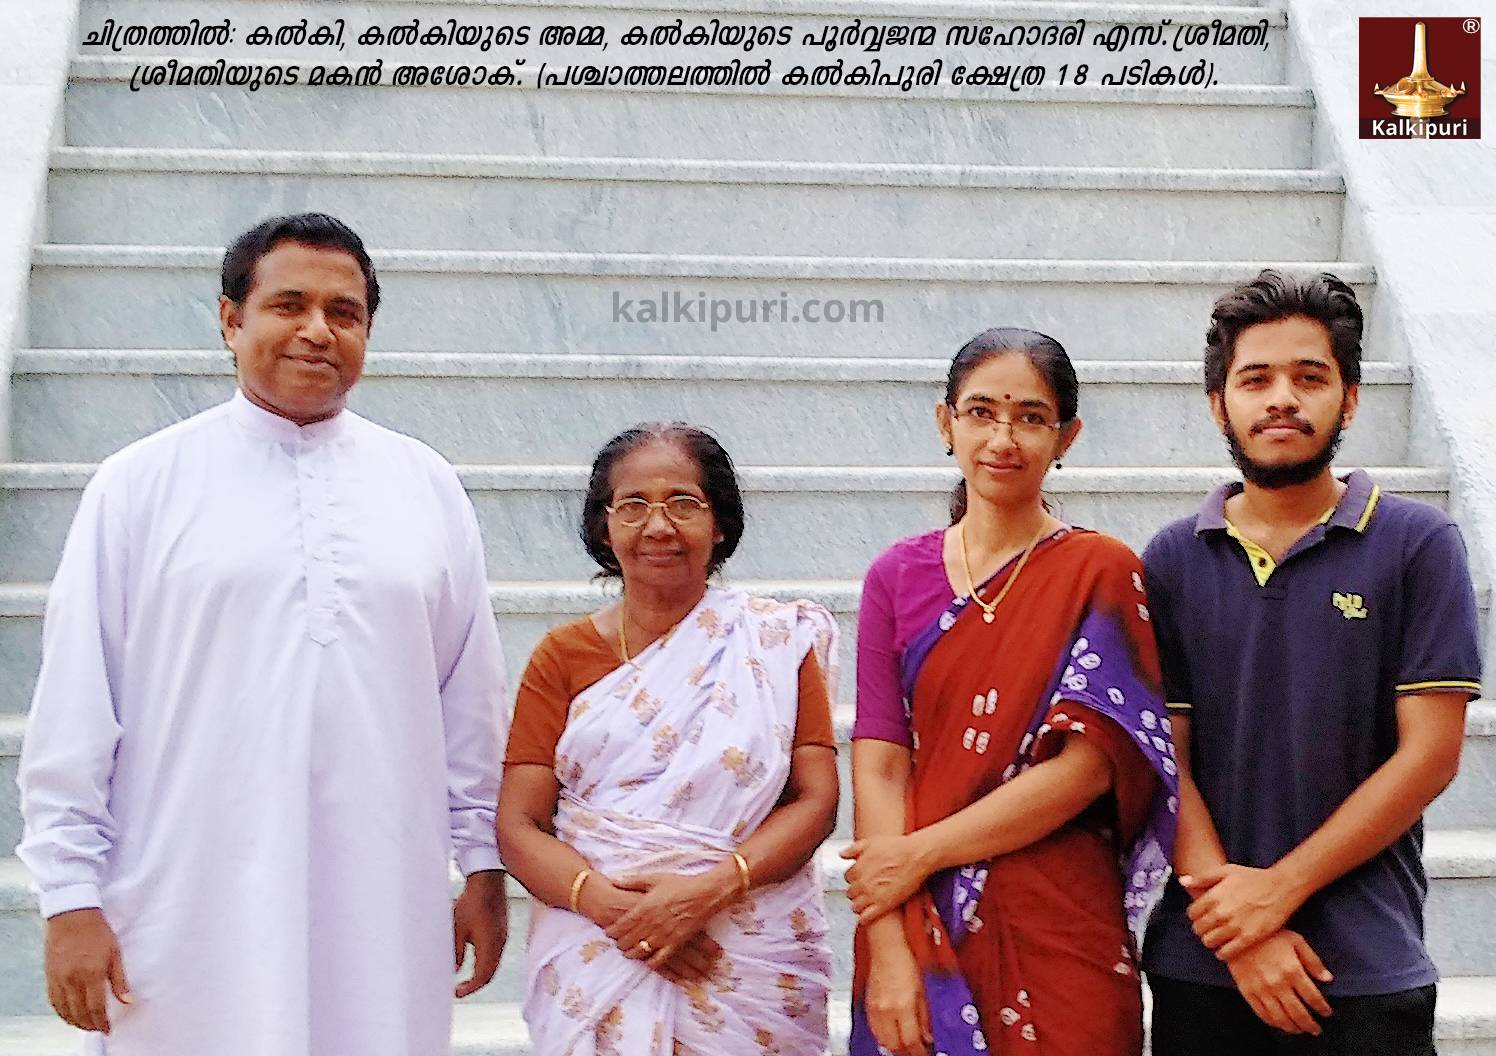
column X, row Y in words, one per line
column 498, row 1029
column 560, row 598
column 1480, row 724
column 1448, row 854
column 511, row 365
column 1074, row 480
column 1466, row 1012
column 988, row 10
column 674, row 170
column 650, row 265
column 119, row 70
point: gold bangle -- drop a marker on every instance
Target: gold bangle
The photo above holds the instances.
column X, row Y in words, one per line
column 743, row 873
column 576, row 889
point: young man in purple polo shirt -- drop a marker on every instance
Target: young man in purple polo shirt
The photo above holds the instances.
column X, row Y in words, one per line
column 1319, row 647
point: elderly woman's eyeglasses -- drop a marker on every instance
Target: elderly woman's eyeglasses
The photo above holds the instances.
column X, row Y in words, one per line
column 681, row 509
column 1026, row 425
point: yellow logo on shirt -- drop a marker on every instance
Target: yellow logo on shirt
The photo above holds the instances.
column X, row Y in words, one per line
column 1351, row 606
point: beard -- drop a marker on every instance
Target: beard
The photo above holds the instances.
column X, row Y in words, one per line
column 1273, row 476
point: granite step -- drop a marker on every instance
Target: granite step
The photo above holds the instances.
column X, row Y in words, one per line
column 1461, row 864
column 1461, row 867
column 1253, row 126
column 1261, row 63
column 154, row 197
column 840, row 517
column 1465, row 1025
column 484, row 407
column 1467, row 804
column 1470, row 803
column 525, row 611
column 450, row 301
column 12, row 732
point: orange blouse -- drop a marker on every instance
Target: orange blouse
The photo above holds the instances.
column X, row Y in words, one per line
column 574, row 656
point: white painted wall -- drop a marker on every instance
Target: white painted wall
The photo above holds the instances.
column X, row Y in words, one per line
column 38, row 43
column 1424, row 213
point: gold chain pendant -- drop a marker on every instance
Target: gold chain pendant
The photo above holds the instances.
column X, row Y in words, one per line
column 989, row 608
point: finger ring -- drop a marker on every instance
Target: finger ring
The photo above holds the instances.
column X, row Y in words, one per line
column 646, row 947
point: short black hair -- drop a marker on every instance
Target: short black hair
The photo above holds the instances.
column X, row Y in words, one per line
column 719, row 481
column 309, row 229
column 1272, row 295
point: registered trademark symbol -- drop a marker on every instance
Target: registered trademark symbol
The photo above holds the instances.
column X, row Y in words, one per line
column 1472, row 25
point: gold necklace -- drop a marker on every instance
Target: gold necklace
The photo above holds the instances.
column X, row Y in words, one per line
column 623, row 641
column 623, row 619
column 989, row 608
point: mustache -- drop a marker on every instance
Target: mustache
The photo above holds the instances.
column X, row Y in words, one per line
column 1270, row 423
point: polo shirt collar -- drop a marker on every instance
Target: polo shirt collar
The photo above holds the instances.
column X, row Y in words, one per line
column 1353, row 511
column 1358, row 503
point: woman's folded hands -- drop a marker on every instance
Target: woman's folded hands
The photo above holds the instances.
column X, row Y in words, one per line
column 660, row 918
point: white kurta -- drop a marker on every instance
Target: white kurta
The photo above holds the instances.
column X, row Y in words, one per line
column 271, row 707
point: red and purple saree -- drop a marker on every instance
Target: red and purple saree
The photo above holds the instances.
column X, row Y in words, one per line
column 1034, row 951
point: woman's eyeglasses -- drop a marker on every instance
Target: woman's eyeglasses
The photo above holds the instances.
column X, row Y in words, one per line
column 1026, row 425
column 681, row 509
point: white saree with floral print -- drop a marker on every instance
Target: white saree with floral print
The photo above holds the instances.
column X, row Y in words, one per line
column 666, row 765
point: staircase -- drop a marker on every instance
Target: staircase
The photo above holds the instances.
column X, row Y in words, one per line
column 508, row 224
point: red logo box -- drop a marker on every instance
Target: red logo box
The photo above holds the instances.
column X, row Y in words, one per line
column 1420, row 78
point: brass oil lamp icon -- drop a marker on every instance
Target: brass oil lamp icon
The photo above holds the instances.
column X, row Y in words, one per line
column 1418, row 95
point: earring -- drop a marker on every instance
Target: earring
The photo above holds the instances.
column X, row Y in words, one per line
column 949, row 450
column 1058, row 464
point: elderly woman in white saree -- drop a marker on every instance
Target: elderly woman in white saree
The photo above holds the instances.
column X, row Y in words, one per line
column 669, row 775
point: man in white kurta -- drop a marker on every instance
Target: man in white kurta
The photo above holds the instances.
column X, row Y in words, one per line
column 270, row 710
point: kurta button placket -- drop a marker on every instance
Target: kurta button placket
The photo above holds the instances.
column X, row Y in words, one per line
column 317, row 548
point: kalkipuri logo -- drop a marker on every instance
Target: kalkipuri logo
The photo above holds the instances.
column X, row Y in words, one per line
column 1420, row 78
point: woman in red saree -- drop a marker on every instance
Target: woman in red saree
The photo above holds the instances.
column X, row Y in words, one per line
column 1014, row 778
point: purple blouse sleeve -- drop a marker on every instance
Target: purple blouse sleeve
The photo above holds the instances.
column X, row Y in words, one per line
column 881, row 714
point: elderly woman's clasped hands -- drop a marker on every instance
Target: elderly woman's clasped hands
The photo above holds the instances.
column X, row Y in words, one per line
column 661, row 920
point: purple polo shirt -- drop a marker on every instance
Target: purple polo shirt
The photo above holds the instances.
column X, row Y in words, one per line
column 1291, row 686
